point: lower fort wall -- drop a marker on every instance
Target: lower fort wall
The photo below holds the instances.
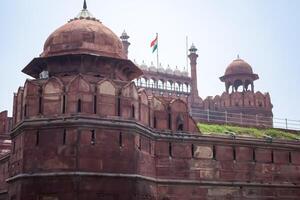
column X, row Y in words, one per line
column 92, row 161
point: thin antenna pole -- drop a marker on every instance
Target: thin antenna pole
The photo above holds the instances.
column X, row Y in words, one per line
column 84, row 5
column 187, row 52
column 157, row 58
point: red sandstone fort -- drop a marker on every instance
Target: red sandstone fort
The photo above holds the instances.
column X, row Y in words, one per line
column 93, row 125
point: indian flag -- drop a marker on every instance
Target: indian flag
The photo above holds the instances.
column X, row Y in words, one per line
column 154, row 44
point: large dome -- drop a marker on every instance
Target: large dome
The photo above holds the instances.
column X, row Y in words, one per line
column 238, row 66
column 84, row 45
column 84, row 35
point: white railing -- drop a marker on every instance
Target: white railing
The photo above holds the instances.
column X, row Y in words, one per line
column 221, row 117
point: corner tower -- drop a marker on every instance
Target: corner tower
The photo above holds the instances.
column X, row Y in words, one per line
column 84, row 45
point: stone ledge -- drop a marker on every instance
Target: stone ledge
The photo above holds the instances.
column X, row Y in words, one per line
column 155, row 180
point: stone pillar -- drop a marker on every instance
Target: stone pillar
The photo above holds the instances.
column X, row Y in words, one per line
column 193, row 58
column 252, row 87
column 124, row 38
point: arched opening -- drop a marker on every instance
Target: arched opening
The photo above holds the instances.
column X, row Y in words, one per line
column 169, row 85
column 132, row 111
column 143, row 82
column 180, row 123
column 79, row 106
column 237, row 84
column 64, row 136
column 95, row 104
column 63, row 104
column 154, row 122
column 93, row 137
column 25, row 110
column 180, row 127
column 152, row 83
column 184, row 87
column 169, row 118
column 169, row 121
column 119, row 104
column 193, row 150
column 170, row 149
column 120, row 139
column 160, row 84
column 247, row 83
column 189, row 88
column 176, row 86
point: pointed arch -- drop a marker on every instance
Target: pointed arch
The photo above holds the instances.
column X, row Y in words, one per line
column 178, row 111
column 259, row 99
column 19, row 105
column 217, row 102
column 106, row 87
column 237, row 99
column 130, row 91
column 225, row 100
column 52, row 96
column 249, row 99
column 78, row 84
column 31, row 98
column 144, row 110
column 79, row 96
column 107, row 98
column 158, row 113
column 130, row 101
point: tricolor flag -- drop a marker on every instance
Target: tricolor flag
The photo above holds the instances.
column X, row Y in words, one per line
column 154, row 44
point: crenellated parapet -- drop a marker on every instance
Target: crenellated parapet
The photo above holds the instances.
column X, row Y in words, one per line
column 236, row 100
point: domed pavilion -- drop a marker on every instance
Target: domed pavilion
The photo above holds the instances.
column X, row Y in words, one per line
column 239, row 73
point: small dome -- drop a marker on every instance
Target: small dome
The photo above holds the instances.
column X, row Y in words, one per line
column 143, row 66
column 238, row 66
column 84, row 35
column 177, row 71
column 152, row 67
column 161, row 69
column 184, row 73
column 169, row 70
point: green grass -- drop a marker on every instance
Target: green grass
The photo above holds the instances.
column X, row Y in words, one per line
column 215, row 129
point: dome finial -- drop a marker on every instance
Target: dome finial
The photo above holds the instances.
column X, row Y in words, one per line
column 84, row 5
column 238, row 56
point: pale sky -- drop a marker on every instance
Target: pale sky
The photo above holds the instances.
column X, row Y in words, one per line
column 265, row 33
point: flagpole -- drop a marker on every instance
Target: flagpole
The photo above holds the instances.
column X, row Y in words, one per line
column 157, row 58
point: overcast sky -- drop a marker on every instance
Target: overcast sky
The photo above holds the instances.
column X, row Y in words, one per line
column 265, row 33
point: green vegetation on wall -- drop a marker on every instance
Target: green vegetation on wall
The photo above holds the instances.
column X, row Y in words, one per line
column 216, row 129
